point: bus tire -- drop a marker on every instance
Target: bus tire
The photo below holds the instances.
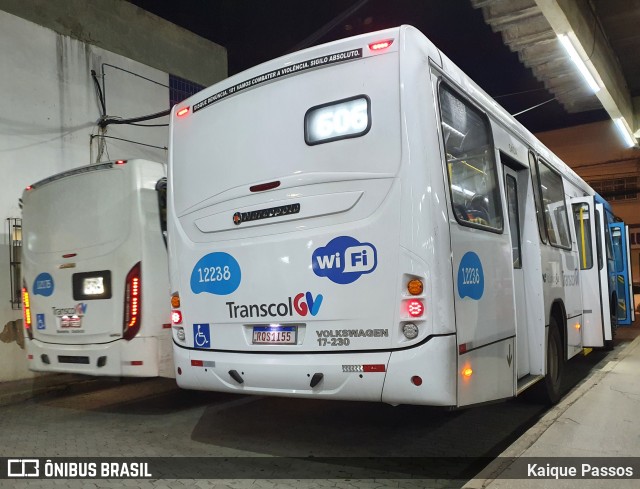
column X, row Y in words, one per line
column 547, row 391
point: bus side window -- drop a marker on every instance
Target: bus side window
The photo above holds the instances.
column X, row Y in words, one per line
column 161, row 188
column 581, row 218
column 555, row 211
column 617, row 250
column 599, row 242
column 537, row 198
column 471, row 164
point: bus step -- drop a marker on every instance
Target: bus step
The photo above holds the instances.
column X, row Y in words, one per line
column 527, row 381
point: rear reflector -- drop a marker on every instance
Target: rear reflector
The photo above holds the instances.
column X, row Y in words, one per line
column 197, row 363
column 69, row 255
column 364, row 368
column 29, row 357
column 136, row 362
column 374, row 368
column 166, row 326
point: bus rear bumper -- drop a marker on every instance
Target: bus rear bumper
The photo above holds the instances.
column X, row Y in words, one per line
column 135, row 358
column 292, row 375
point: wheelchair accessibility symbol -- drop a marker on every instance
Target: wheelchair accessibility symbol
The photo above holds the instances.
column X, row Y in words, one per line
column 201, row 336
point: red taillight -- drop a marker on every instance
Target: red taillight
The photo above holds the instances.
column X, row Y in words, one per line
column 132, row 303
column 26, row 311
column 136, row 363
column 29, row 187
column 379, row 45
column 415, row 308
column 176, row 317
column 121, row 162
column 182, row 112
column 197, row 363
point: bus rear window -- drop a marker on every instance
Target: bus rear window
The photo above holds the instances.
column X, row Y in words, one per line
column 79, row 211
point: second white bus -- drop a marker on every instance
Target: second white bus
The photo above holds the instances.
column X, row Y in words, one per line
column 95, row 280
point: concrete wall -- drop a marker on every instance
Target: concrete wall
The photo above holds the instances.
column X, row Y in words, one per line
column 48, row 114
column 122, row 28
column 596, row 152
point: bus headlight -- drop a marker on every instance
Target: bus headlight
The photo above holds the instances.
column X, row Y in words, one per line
column 410, row 331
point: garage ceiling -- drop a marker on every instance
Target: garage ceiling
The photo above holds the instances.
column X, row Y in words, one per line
column 604, row 32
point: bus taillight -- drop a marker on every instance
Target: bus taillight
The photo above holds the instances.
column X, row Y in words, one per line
column 182, row 112
column 132, row 303
column 415, row 308
column 380, row 45
column 176, row 317
column 26, row 311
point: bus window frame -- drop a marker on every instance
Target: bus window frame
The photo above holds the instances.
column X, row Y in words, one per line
column 537, row 196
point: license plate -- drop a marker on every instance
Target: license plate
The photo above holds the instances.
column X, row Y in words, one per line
column 70, row 322
column 275, row 335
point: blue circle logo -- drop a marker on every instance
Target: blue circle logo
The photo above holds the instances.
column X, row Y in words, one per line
column 216, row 273
column 43, row 285
column 470, row 277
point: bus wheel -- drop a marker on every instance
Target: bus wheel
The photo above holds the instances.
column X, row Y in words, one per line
column 547, row 390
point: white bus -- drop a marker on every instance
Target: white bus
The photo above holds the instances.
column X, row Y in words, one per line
column 358, row 221
column 95, row 279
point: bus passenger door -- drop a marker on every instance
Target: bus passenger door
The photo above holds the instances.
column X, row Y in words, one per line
column 513, row 197
column 480, row 254
column 591, row 274
column 630, row 303
column 620, row 240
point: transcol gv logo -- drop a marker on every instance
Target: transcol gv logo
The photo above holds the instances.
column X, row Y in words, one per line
column 300, row 304
column 344, row 260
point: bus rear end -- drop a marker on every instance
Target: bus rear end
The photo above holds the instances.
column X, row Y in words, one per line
column 284, row 231
column 89, row 275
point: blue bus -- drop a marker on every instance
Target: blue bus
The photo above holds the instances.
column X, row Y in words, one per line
column 618, row 266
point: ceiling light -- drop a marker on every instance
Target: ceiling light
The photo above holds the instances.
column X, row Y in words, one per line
column 575, row 57
column 624, row 131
